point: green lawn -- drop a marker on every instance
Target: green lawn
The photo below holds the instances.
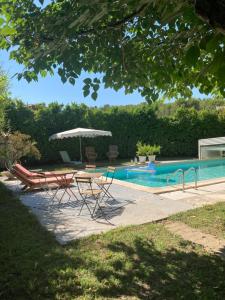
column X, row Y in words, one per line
column 138, row 262
column 209, row 219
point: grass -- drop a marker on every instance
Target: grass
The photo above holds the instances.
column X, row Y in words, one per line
column 209, row 219
column 137, row 262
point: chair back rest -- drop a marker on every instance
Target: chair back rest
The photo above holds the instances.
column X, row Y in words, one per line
column 90, row 167
column 83, row 183
column 82, row 179
column 23, row 170
column 89, row 150
column 26, row 180
column 110, row 173
column 65, row 156
column 113, row 148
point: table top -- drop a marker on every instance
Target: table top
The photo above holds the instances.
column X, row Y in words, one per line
column 89, row 175
column 63, row 172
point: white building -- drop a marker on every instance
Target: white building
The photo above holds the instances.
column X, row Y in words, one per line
column 211, row 148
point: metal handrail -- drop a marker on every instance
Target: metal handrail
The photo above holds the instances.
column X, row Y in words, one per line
column 196, row 175
column 182, row 175
column 174, row 174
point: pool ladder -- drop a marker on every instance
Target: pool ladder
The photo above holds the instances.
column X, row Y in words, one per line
column 181, row 175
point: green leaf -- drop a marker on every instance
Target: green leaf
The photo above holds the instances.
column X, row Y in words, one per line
column 87, row 80
column 96, row 87
column 86, row 93
column 19, row 76
column 94, row 96
column 221, row 74
column 63, row 78
column 212, row 44
column 1, row 21
column 96, row 80
column 41, row 1
column 192, row 55
column 72, row 80
column 86, row 87
column 43, row 73
column 7, row 31
column 61, row 72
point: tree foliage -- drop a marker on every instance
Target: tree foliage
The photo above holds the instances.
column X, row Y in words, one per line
column 155, row 47
column 4, row 84
column 14, row 146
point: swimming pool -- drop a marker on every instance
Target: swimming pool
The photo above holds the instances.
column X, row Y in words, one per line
column 157, row 177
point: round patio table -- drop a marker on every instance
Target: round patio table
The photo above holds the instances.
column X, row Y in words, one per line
column 89, row 175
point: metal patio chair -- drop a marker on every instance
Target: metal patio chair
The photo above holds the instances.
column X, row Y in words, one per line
column 89, row 194
column 90, row 167
column 105, row 182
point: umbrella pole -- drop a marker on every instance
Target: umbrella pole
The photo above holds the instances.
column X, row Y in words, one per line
column 80, row 150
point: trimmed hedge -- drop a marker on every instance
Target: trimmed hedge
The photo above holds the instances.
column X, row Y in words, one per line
column 177, row 134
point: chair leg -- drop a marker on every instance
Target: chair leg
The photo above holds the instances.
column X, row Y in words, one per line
column 107, row 193
column 97, row 204
column 84, row 203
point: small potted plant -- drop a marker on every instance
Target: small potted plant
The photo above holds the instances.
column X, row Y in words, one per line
column 141, row 152
column 152, row 151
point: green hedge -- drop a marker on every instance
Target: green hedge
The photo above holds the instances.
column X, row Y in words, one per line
column 177, row 134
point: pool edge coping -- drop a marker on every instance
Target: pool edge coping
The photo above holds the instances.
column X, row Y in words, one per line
column 168, row 189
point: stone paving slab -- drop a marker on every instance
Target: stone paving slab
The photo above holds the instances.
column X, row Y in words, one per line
column 208, row 241
column 199, row 197
column 131, row 207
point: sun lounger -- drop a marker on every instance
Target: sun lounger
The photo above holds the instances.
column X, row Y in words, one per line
column 40, row 180
column 29, row 173
column 66, row 158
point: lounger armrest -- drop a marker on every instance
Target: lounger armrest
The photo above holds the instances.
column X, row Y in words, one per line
column 40, row 174
column 62, row 174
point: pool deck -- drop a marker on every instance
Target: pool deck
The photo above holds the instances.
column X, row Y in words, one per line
column 131, row 207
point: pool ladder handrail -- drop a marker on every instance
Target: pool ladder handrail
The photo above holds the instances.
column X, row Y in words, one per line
column 182, row 176
column 196, row 175
column 174, row 174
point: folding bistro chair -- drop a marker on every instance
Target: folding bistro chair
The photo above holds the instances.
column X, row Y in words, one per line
column 105, row 183
column 90, row 167
column 88, row 193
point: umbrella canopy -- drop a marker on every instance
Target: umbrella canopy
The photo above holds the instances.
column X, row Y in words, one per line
column 80, row 132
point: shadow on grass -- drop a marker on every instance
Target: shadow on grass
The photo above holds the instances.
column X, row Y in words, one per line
column 141, row 262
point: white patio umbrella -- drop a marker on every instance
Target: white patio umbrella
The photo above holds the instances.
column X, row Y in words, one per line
column 80, row 132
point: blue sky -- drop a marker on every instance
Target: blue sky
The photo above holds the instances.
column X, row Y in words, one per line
column 50, row 89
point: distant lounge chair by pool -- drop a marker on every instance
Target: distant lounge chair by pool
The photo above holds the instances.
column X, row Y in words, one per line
column 66, row 158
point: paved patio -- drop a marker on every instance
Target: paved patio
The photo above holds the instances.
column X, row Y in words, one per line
column 131, row 207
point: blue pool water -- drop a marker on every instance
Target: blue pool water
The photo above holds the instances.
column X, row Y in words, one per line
column 156, row 176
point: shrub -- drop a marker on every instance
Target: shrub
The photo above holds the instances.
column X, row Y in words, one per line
column 177, row 133
column 14, row 146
